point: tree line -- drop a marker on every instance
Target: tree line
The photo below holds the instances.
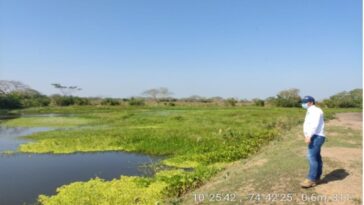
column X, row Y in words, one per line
column 16, row 95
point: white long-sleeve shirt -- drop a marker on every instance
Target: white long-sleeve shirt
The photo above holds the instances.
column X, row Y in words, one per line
column 314, row 122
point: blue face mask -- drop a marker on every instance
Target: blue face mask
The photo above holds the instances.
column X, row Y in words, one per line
column 304, row 105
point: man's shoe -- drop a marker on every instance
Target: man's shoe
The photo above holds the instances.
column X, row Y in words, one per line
column 308, row 183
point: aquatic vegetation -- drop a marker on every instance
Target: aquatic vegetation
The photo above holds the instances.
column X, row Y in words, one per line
column 203, row 138
column 130, row 190
column 47, row 122
column 126, row 190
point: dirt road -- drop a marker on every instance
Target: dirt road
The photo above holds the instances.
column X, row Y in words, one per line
column 344, row 170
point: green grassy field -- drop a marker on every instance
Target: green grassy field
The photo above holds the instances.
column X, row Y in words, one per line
column 203, row 138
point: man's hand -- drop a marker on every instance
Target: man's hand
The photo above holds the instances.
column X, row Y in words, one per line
column 307, row 140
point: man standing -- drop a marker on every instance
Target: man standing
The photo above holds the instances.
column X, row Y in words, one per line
column 313, row 129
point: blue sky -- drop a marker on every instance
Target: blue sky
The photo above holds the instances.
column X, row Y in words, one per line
column 234, row 48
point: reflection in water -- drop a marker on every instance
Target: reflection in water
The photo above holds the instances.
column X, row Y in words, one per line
column 10, row 136
column 23, row 177
column 9, row 116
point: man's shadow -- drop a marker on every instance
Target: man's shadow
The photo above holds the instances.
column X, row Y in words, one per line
column 335, row 175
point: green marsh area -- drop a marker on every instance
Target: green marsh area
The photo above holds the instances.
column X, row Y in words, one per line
column 197, row 142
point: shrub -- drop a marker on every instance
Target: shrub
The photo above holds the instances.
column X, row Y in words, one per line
column 286, row 98
column 231, row 101
column 9, row 102
column 136, row 101
column 353, row 98
column 62, row 100
column 81, row 101
column 110, row 101
column 24, row 99
column 170, row 104
column 59, row 100
column 258, row 102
